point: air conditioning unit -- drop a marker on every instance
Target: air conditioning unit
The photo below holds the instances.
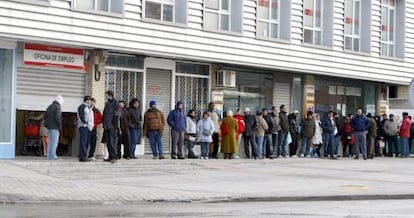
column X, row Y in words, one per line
column 226, row 78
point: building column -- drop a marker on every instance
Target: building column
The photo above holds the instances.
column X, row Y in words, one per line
column 308, row 94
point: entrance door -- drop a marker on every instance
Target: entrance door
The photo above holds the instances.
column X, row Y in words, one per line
column 193, row 92
column 126, row 84
column 159, row 89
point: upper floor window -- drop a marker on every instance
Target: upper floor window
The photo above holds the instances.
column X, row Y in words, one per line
column 112, row 6
column 357, row 25
column 223, row 15
column 174, row 11
column 273, row 19
column 318, row 22
column 392, row 35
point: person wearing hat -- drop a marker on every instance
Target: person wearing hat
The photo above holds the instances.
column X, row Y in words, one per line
column 53, row 122
column 154, row 124
column 111, row 125
column 85, row 126
column 308, row 131
column 249, row 140
column 391, row 133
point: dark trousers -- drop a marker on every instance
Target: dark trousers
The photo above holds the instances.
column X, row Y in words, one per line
column 348, row 146
column 249, row 143
column 392, row 145
column 112, row 141
column 92, row 141
column 293, row 147
column 124, row 138
column 410, row 144
column 215, row 144
column 275, row 141
column 83, row 142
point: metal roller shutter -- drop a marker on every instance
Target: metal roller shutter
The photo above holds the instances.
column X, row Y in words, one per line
column 37, row 88
column 281, row 94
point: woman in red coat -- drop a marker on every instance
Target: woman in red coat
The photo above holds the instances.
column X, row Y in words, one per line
column 347, row 137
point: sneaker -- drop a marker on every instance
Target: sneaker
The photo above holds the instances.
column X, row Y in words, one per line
column 294, row 156
column 161, row 157
column 206, row 158
column 181, row 157
column 174, row 157
column 302, row 155
column 91, row 159
column 236, row 157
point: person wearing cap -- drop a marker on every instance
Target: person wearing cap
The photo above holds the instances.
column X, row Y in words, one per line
column 154, row 124
column 371, row 135
column 308, row 131
column 85, row 126
column 111, row 125
column 360, row 124
column 53, row 122
column 284, row 130
column 249, row 140
column 391, row 133
column 405, row 135
column 259, row 133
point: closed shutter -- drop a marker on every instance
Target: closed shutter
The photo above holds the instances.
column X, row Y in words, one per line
column 159, row 89
column 281, row 94
column 37, row 88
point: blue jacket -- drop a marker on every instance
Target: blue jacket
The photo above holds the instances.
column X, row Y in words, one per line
column 176, row 119
column 327, row 126
column 360, row 123
column 205, row 124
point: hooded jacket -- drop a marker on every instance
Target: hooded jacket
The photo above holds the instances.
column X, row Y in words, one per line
column 176, row 119
column 136, row 117
column 53, row 116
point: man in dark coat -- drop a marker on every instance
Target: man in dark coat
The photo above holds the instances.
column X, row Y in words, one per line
column 329, row 132
column 124, row 137
column 249, row 140
column 308, row 131
column 134, row 126
column 53, row 122
column 284, row 130
column 111, row 125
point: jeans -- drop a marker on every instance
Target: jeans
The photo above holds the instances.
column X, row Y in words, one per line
column 360, row 143
column 259, row 149
column 328, row 144
column 92, row 141
column 392, row 143
column 205, row 149
column 53, row 135
column 305, row 145
column 404, row 145
column 337, row 138
column 282, row 143
column 135, row 135
column 84, row 136
column 249, row 142
column 111, row 143
column 269, row 145
column 190, row 147
column 155, row 141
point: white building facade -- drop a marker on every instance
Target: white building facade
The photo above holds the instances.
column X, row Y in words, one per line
column 317, row 55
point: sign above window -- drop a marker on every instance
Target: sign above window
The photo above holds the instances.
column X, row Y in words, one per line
column 53, row 56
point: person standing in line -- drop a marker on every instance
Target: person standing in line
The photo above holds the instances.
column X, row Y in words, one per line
column 85, row 125
column 317, row 137
column 215, row 118
column 229, row 131
column 249, row 140
column 383, row 120
column 294, row 133
column 111, row 125
column 410, row 141
column 134, row 126
column 379, row 140
column 191, row 133
column 371, row 135
column 275, row 131
column 308, row 131
column 53, row 122
column 124, row 138
column 97, row 119
column 259, row 133
column 178, row 122
column 154, row 124
column 284, row 130
column 205, row 130
column 405, row 135
column 337, row 137
column 329, row 132
column 241, row 126
column 360, row 124
column 268, row 144
column 347, row 135
column 391, row 133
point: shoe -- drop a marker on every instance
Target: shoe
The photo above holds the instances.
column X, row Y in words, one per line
column 174, row 157
column 365, row 158
column 161, row 157
column 113, row 160
column 356, row 158
column 91, row 159
column 133, row 157
column 294, row 156
column 201, row 158
column 302, row 155
column 127, row 158
column 106, row 160
column 84, row 160
column 155, row 157
column 236, row 157
column 181, row 157
column 206, row 158
column 192, row 156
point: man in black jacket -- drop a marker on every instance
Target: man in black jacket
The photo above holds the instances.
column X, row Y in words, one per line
column 284, row 130
column 135, row 125
column 53, row 122
column 248, row 134
column 268, row 133
column 111, row 125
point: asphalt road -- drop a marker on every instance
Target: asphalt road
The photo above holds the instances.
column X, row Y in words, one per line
column 347, row 209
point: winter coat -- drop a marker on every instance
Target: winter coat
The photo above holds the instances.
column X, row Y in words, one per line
column 191, row 126
column 228, row 131
column 125, row 120
column 405, row 128
column 136, row 117
column 111, row 114
column 412, row 130
column 360, row 123
column 153, row 121
column 250, row 125
column 261, row 126
column 270, row 123
column 205, row 124
column 176, row 119
column 347, row 131
column 53, row 116
column 328, row 126
column 317, row 137
column 240, row 123
column 85, row 116
column 284, row 122
column 215, row 118
column 372, row 131
column 276, row 122
column 308, row 128
column 390, row 128
column 97, row 117
column 293, row 124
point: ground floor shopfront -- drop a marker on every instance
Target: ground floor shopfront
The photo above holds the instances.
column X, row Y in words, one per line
column 28, row 88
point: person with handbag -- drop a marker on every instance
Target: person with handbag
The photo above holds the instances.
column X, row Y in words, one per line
column 205, row 130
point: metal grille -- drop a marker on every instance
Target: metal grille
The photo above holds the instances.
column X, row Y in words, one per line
column 193, row 92
column 126, row 85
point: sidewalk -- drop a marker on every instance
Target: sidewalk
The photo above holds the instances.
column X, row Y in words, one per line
column 33, row 179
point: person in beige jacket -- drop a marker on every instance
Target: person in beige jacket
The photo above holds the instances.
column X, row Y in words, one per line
column 259, row 133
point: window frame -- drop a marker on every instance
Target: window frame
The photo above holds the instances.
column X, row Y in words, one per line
column 353, row 35
column 35, row 2
column 219, row 12
column 161, row 21
column 96, row 11
column 314, row 28
column 269, row 21
column 387, row 42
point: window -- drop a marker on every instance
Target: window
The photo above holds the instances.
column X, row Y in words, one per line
column 392, row 35
column 112, row 6
column 357, row 25
column 174, row 11
column 318, row 22
column 393, row 92
column 223, row 15
column 273, row 19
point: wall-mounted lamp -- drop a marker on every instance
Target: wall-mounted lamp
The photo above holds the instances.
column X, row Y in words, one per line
column 97, row 72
